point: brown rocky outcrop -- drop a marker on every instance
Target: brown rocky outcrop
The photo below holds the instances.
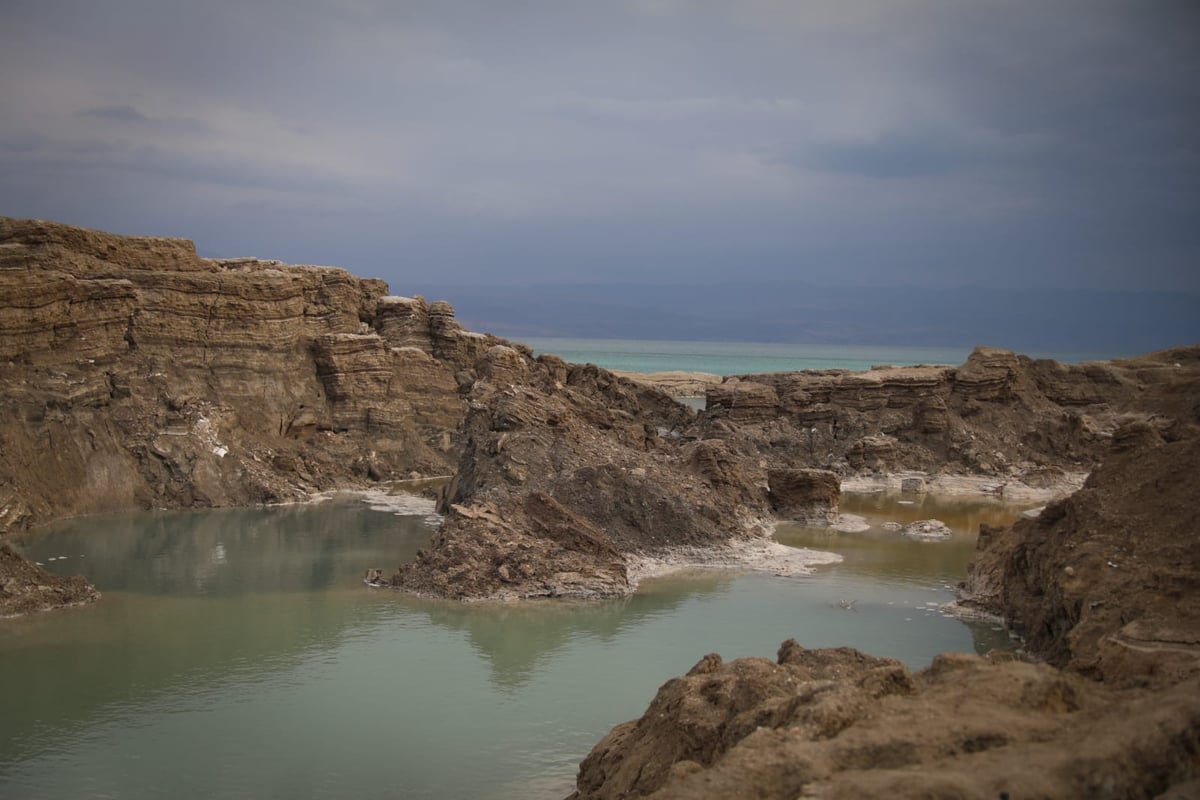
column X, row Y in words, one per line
column 26, row 587
column 999, row 414
column 141, row 375
column 805, row 495
column 1104, row 585
column 138, row 374
column 840, row 724
column 567, row 472
column 1106, row 582
column 676, row 383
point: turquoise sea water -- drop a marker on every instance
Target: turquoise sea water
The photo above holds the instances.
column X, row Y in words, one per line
column 237, row 654
column 737, row 358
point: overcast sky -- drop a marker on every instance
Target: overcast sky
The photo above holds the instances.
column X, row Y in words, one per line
column 1041, row 143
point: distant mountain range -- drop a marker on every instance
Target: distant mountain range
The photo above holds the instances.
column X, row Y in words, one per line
column 1085, row 321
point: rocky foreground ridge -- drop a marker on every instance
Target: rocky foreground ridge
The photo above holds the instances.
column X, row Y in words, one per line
column 1105, row 585
column 137, row 374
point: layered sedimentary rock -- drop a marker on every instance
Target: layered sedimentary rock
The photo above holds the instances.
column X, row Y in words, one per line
column 1104, row 585
column 137, row 374
column 567, row 473
column 998, row 414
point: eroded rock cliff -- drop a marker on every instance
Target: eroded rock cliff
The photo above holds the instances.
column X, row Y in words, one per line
column 569, row 472
column 138, row 374
column 999, row 414
column 1106, row 582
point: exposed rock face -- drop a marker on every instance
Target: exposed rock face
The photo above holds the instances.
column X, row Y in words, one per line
column 1104, row 584
column 26, row 587
column 567, row 472
column 676, row 382
column 998, row 414
column 810, row 496
column 139, row 374
column 1107, row 581
column 839, row 724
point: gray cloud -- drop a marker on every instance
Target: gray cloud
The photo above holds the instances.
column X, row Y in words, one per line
column 1003, row 143
column 118, row 113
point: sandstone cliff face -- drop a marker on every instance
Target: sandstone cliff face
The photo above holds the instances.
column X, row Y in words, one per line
column 138, row 374
column 998, row 414
column 1104, row 584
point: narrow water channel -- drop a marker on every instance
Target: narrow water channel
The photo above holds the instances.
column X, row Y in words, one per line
column 236, row 654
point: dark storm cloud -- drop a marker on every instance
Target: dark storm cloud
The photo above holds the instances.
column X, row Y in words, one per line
column 997, row 143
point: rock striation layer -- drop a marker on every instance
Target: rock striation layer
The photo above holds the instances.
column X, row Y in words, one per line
column 137, row 374
column 1017, row 419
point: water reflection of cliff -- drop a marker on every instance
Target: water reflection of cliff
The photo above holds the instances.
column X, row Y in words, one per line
column 286, row 549
column 516, row 638
column 195, row 603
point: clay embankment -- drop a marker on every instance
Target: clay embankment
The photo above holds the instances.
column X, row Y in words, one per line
column 1105, row 585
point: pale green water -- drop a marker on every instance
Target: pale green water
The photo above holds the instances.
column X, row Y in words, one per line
column 735, row 358
column 236, row 654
